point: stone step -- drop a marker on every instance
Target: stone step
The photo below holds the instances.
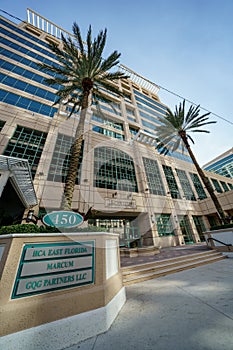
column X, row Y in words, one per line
column 168, row 261
column 143, row 251
column 164, row 269
column 223, row 248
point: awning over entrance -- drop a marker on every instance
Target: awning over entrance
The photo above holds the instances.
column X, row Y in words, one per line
column 20, row 176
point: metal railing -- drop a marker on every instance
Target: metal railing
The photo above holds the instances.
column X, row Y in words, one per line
column 217, row 240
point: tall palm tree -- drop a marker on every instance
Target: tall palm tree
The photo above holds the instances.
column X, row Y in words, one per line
column 83, row 76
column 174, row 132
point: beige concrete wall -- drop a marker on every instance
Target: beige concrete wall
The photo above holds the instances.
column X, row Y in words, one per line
column 26, row 312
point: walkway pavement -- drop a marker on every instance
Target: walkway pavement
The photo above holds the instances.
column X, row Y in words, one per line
column 188, row 310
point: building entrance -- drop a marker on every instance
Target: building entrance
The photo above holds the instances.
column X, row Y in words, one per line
column 186, row 229
column 200, row 227
column 129, row 233
column 11, row 207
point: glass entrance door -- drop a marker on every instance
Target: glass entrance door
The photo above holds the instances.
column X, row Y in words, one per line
column 200, row 227
column 186, row 229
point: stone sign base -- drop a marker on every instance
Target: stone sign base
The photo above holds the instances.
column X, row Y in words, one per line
column 57, row 290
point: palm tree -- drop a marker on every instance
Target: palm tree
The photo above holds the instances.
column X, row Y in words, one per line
column 174, row 132
column 83, row 76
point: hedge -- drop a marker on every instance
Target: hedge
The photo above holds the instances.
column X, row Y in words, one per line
column 31, row 228
column 219, row 227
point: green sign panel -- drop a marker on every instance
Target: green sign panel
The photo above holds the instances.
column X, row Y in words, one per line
column 63, row 218
column 48, row 267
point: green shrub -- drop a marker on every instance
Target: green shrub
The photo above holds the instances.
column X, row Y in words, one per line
column 219, row 227
column 31, row 228
column 20, row 228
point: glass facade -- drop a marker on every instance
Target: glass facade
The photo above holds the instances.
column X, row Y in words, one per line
column 185, row 184
column 114, row 169
column 216, row 185
column 112, row 107
column 186, row 229
column 224, row 186
column 21, row 51
column 223, row 166
column 149, row 102
column 61, row 158
column 23, row 72
column 27, row 144
column 26, row 103
column 154, row 180
column 107, row 132
column 200, row 227
column 26, row 87
column 107, row 121
column 171, row 181
column 23, row 33
column 164, row 225
column 198, row 186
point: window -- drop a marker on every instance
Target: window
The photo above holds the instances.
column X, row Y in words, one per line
column 1, row 124
column 23, row 60
column 198, row 221
column 32, row 89
column 198, row 186
column 130, row 111
column 61, row 159
column 107, row 121
column 27, row 144
column 224, row 186
column 114, row 169
column 149, row 125
column 30, row 46
column 22, row 32
column 184, row 181
column 107, row 132
column 171, row 181
column 186, row 228
column 26, row 103
column 216, row 185
column 164, row 225
column 231, row 186
column 133, row 131
column 149, row 101
column 153, row 176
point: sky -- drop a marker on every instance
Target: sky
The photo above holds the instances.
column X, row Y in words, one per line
column 185, row 47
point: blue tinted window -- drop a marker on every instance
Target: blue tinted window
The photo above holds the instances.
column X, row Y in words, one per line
column 26, row 103
column 45, row 110
column 12, row 98
column 24, row 33
column 2, row 94
column 150, row 100
column 26, row 52
column 18, row 84
column 23, row 102
column 26, row 42
column 31, row 89
column 27, row 62
column 35, row 106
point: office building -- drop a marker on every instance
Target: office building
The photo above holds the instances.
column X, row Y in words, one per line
column 222, row 165
column 133, row 189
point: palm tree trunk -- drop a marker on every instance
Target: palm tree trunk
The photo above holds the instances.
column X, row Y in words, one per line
column 205, row 180
column 74, row 156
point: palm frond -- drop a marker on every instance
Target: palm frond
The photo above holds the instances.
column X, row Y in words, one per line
column 78, row 37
